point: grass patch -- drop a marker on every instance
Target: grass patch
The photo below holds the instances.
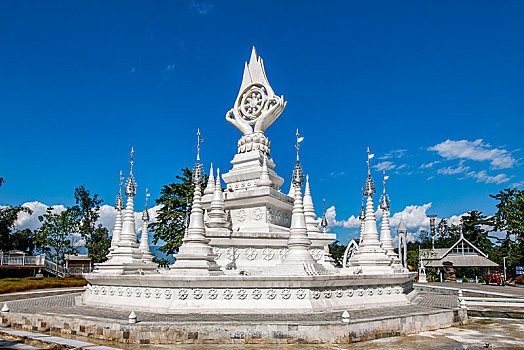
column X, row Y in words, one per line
column 13, row 285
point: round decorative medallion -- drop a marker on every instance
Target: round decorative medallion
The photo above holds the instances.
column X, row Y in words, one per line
column 253, row 101
column 120, row 291
column 95, row 290
column 158, row 293
column 315, row 294
column 242, row 294
column 197, row 293
column 103, row 290
column 283, row 253
column 129, row 292
column 241, row 215
column 138, row 292
column 182, row 294
column 271, row 294
column 251, row 253
column 257, row 214
column 111, row 291
column 232, row 253
column 257, row 293
column 218, row 252
column 339, row 293
column 286, row 293
column 212, row 294
column 301, row 294
column 228, row 294
column 370, row 291
column 147, row 293
column 379, row 291
column 398, row 290
column 350, row 292
column 327, row 294
column 360, row 292
column 317, row 254
column 268, row 253
column 168, row 293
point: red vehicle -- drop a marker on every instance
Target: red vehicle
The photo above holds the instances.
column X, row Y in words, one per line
column 495, row 277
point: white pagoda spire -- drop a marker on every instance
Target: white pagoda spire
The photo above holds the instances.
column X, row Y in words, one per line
column 309, row 210
column 362, row 217
column 119, row 206
column 385, row 232
column 324, row 222
column 195, row 256
column 217, row 217
column 210, row 188
column 128, row 234
column 144, row 239
column 298, row 259
column 370, row 252
column 264, row 180
column 126, row 258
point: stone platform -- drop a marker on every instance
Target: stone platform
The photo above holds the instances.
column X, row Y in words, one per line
column 61, row 314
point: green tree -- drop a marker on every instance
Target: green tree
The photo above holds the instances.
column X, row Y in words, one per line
column 336, row 250
column 96, row 237
column 9, row 237
column 510, row 218
column 510, row 214
column 54, row 236
column 473, row 230
column 175, row 200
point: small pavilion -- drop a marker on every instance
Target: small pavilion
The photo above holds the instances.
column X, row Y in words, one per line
column 462, row 254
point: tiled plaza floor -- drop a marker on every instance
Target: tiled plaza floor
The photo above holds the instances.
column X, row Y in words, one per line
column 65, row 305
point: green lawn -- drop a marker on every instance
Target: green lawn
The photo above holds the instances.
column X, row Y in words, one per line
column 12, row 285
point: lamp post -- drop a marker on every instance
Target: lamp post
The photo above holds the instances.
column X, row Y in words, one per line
column 504, row 261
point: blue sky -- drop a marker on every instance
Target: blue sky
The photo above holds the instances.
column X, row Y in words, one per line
column 82, row 82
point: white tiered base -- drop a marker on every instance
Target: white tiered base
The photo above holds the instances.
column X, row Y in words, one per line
column 246, row 294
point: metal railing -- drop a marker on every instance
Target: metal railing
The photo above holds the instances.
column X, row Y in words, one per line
column 22, row 260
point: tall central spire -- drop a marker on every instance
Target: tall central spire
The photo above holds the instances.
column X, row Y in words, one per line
column 370, row 253
column 195, row 256
column 298, row 260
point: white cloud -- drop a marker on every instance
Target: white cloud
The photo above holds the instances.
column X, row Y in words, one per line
column 201, row 7
column 475, row 150
column 415, row 218
column 336, row 173
column 107, row 216
column 31, row 221
column 396, row 153
column 429, row 165
column 518, row 184
column 482, row 176
column 331, row 214
column 386, row 165
column 453, row 170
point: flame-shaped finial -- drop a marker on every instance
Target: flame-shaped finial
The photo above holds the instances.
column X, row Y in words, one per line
column 197, row 171
column 298, row 175
column 145, row 214
column 119, row 204
column 324, row 222
column 131, row 184
column 370, row 187
column 384, row 201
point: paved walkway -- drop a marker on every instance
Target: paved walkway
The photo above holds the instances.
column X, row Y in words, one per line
column 65, row 305
column 507, row 291
column 38, row 293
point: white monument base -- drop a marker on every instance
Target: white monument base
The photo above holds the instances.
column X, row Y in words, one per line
column 164, row 293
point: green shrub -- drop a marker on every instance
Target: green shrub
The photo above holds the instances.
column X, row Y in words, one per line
column 464, row 279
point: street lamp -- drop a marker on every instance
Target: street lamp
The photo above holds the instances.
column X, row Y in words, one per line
column 504, row 261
